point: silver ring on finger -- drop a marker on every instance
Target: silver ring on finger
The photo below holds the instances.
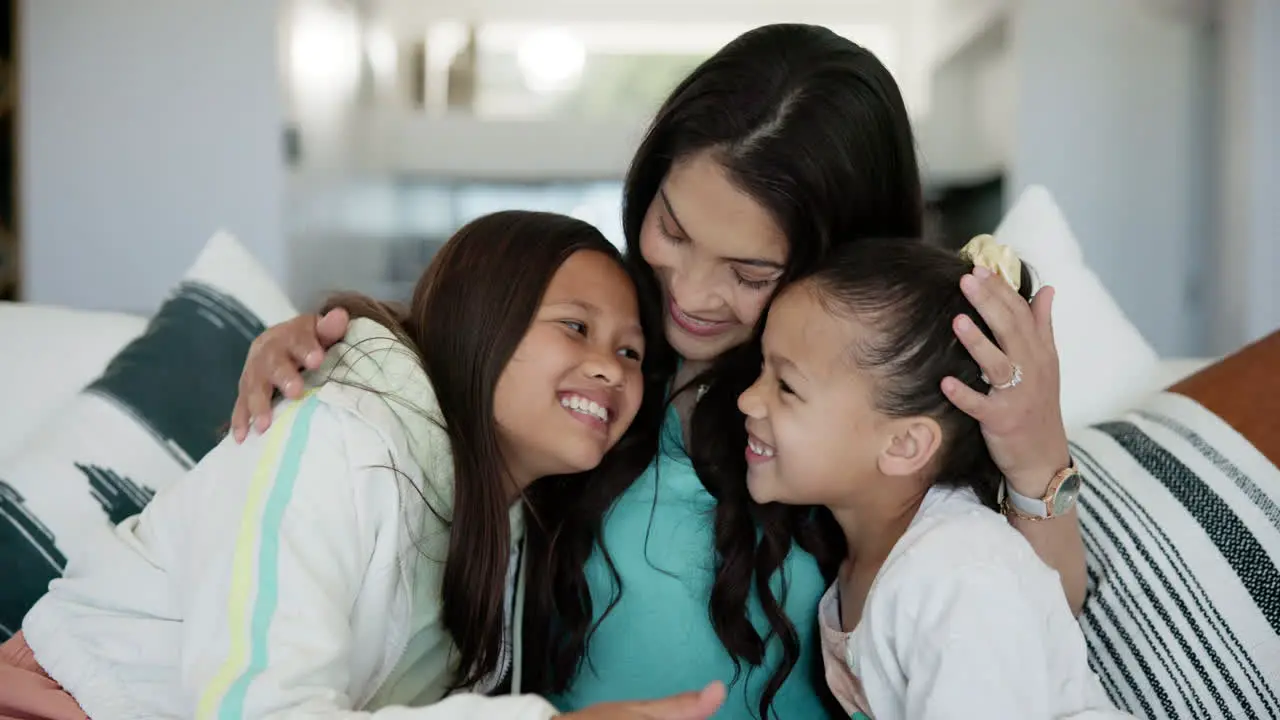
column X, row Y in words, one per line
column 1014, row 380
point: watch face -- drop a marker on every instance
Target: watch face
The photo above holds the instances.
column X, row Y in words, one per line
column 1065, row 498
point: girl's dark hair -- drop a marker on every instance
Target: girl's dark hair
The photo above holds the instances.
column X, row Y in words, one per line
column 908, row 293
column 814, row 128
column 469, row 311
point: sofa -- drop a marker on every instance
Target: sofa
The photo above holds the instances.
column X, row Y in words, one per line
column 100, row 410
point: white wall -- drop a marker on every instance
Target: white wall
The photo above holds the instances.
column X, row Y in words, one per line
column 322, row 71
column 967, row 132
column 325, row 80
column 1111, row 99
column 956, row 24
column 1246, row 266
column 146, row 126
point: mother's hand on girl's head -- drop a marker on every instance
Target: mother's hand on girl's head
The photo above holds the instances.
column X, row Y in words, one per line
column 686, row 706
column 1023, row 424
column 274, row 362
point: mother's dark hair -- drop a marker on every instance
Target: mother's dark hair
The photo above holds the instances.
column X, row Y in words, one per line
column 814, row 129
column 468, row 314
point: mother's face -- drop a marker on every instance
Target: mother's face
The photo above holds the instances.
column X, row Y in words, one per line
column 717, row 253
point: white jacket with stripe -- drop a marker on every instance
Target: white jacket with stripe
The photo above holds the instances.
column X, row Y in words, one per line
column 295, row 575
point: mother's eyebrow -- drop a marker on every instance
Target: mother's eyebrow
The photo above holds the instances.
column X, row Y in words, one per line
column 753, row 262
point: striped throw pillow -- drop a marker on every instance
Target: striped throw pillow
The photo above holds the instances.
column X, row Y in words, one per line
column 1181, row 523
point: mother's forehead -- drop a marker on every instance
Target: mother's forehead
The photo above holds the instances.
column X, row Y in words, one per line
column 709, row 207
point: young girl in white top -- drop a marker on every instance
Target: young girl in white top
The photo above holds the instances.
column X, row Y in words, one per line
column 941, row 609
column 362, row 557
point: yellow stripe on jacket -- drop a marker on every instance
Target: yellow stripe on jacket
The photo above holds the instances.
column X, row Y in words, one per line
column 254, row 573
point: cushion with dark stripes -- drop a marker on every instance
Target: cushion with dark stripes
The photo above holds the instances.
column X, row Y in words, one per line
column 159, row 406
column 1181, row 523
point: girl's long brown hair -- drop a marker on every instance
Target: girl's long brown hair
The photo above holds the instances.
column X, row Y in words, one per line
column 469, row 311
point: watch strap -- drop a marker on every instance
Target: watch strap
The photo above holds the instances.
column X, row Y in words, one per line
column 1038, row 508
column 1026, row 505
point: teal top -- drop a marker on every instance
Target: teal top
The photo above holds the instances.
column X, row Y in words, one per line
column 658, row 640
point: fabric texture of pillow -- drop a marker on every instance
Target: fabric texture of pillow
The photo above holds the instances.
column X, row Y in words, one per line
column 1244, row 390
column 49, row 354
column 1106, row 364
column 159, row 406
column 1181, row 525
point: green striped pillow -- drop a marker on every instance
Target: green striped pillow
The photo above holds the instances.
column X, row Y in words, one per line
column 158, row 407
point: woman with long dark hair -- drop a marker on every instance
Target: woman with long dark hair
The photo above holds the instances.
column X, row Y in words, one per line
column 789, row 141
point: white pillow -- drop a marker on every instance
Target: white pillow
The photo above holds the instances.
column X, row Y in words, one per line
column 1173, row 370
column 1106, row 364
column 47, row 355
column 159, row 406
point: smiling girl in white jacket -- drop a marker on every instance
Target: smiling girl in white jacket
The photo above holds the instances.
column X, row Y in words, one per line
column 363, row 556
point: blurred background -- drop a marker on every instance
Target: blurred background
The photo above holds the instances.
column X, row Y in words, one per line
column 343, row 140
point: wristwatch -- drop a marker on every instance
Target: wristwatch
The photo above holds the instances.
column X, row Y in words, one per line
column 1058, row 499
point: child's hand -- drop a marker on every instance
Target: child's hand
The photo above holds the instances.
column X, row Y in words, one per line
column 686, row 706
column 1022, row 424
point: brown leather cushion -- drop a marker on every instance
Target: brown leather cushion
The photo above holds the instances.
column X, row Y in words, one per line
column 1244, row 390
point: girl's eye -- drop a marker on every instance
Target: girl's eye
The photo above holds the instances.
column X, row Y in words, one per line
column 752, row 284
column 576, row 326
column 631, row 354
column 785, row 388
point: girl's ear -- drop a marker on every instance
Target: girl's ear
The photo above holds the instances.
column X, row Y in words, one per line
column 913, row 442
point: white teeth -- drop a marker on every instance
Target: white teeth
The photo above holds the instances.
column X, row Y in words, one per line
column 579, row 404
column 759, row 449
